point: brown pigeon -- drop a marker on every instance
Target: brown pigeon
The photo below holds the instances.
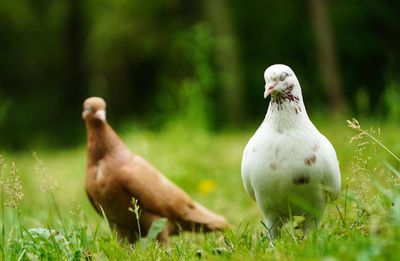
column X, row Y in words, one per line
column 115, row 175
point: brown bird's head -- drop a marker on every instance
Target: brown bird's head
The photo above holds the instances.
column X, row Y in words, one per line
column 94, row 110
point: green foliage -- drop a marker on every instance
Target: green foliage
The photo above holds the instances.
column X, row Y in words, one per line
column 187, row 100
column 5, row 106
column 391, row 98
column 156, row 62
column 42, row 243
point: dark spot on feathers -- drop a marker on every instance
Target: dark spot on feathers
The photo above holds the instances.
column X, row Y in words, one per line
column 281, row 97
column 301, row 180
column 277, row 151
column 310, row 160
column 289, row 89
column 273, row 166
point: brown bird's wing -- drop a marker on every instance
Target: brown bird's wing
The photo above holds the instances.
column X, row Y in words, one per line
column 160, row 196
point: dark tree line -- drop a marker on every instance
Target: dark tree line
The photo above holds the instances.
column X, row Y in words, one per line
column 199, row 60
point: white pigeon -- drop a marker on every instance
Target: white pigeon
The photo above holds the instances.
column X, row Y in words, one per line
column 288, row 167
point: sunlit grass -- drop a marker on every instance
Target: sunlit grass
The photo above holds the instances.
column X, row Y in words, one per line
column 364, row 223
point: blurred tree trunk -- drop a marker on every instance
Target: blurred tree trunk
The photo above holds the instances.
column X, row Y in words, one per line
column 76, row 78
column 75, row 85
column 326, row 55
column 227, row 59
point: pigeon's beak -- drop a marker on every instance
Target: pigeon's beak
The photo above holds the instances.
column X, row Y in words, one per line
column 101, row 115
column 268, row 90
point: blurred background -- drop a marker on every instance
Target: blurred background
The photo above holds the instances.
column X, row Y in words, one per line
column 197, row 62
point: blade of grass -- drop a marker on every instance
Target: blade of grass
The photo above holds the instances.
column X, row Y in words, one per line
column 106, row 219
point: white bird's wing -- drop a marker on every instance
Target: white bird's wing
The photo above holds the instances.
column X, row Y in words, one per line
column 246, row 179
column 331, row 179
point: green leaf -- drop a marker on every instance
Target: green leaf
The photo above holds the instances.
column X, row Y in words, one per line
column 156, row 228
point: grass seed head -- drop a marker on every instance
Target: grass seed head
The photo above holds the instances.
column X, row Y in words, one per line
column 354, row 124
column 359, row 164
column 48, row 184
column 13, row 188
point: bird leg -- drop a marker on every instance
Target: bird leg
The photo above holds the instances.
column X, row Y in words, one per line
column 310, row 224
column 272, row 225
column 124, row 233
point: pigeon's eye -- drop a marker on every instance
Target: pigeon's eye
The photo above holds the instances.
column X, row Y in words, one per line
column 89, row 109
column 283, row 76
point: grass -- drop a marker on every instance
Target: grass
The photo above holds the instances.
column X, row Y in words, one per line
column 46, row 215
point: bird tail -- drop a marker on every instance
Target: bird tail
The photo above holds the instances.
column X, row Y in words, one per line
column 199, row 218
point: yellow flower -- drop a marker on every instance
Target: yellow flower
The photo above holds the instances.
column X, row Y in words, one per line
column 206, row 186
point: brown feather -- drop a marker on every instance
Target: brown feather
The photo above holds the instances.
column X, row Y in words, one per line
column 115, row 175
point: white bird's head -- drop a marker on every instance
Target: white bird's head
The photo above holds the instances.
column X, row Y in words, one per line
column 94, row 110
column 281, row 82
